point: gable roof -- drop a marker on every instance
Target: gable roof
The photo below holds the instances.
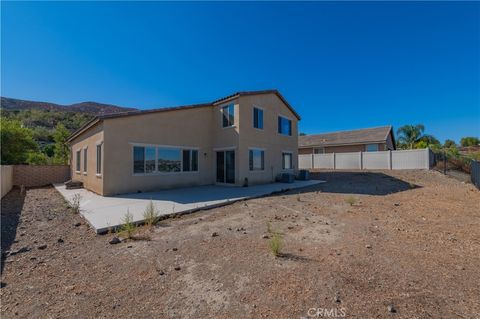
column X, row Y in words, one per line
column 99, row 118
column 362, row 136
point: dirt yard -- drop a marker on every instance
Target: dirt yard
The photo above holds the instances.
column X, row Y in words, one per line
column 353, row 246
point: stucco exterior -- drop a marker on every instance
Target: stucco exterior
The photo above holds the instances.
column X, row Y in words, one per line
column 191, row 128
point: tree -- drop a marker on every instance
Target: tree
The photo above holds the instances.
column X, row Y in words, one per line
column 302, row 134
column 409, row 135
column 449, row 143
column 469, row 141
column 37, row 158
column 17, row 142
column 62, row 150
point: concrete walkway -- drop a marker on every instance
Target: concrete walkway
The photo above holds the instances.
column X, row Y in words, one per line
column 108, row 212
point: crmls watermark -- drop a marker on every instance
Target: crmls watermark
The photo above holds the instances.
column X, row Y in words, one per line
column 326, row 313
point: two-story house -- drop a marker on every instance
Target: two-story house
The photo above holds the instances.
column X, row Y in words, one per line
column 243, row 139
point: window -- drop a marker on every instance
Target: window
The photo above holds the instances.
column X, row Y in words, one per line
column 284, row 126
column 169, row 160
column 257, row 118
column 99, row 159
column 371, row 147
column 319, row 150
column 138, row 159
column 287, row 160
column 150, row 154
column 78, row 161
column 85, row 160
column 228, row 115
column 257, row 160
column 190, row 160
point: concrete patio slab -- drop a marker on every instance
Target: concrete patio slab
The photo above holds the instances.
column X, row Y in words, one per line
column 108, row 212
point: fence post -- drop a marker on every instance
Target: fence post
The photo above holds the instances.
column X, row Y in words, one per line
column 334, row 161
column 390, row 159
column 313, row 163
column 361, row 160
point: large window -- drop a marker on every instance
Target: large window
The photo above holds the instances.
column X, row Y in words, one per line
column 284, row 126
column 138, row 159
column 190, row 160
column 257, row 118
column 371, row 147
column 78, row 161
column 169, row 160
column 257, row 160
column 85, row 158
column 287, row 160
column 228, row 115
column 152, row 159
column 99, row 159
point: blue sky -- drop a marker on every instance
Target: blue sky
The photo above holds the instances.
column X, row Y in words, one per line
column 341, row 65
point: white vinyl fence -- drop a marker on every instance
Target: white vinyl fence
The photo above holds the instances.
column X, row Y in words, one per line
column 402, row 159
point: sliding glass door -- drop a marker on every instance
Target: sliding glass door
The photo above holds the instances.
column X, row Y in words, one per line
column 226, row 167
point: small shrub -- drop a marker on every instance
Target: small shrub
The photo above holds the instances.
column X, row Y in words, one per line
column 150, row 215
column 128, row 227
column 298, row 198
column 275, row 244
column 351, row 200
column 75, row 204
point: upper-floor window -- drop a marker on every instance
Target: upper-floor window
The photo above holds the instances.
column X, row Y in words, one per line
column 371, row 147
column 284, row 126
column 320, row 150
column 257, row 160
column 257, row 118
column 228, row 115
column 78, row 161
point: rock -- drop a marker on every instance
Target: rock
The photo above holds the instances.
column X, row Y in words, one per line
column 214, row 234
column 60, row 241
column 290, row 227
column 42, row 247
column 174, row 248
column 114, row 240
column 177, row 268
column 391, row 309
column 161, row 273
column 265, row 237
column 77, row 224
column 396, row 204
column 368, row 246
column 337, row 298
column 129, row 246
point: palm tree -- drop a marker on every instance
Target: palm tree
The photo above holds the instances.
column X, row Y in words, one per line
column 409, row 135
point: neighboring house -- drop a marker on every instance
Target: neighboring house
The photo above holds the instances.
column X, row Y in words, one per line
column 245, row 138
column 364, row 140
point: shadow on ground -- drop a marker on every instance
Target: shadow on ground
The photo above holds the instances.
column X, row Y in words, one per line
column 12, row 205
column 366, row 183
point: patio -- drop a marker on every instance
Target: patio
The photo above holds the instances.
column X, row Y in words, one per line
column 103, row 213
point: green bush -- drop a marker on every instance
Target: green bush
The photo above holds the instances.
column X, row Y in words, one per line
column 150, row 215
column 128, row 227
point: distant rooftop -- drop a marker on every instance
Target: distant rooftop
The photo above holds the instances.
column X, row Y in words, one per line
column 367, row 135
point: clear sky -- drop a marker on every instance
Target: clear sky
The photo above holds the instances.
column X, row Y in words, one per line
column 341, row 65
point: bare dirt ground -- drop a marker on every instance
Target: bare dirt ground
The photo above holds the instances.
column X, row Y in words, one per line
column 411, row 239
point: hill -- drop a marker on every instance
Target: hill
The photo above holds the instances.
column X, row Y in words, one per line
column 83, row 107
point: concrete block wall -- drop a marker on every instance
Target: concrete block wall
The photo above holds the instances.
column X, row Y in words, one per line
column 40, row 175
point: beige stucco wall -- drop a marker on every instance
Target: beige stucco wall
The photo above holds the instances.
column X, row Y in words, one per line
column 267, row 139
column 90, row 139
column 189, row 129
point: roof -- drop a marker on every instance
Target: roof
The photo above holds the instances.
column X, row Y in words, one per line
column 362, row 136
column 99, row 118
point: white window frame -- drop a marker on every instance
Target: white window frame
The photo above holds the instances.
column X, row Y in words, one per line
column 256, row 149
column 291, row 126
column 78, row 161
column 101, row 159
column 222, row 108
column 263, row 117
column 85, row 160
column 291, row 161
column 157, row 146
